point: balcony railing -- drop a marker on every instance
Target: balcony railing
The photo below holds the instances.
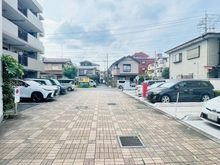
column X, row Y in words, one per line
column 22, row 34
column 22, row 8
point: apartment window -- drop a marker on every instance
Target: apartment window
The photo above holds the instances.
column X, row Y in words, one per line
column 193, row 53
column 143, row 69
column 126, row 67
column 54, row 67
column 143, row 62
column 177, row 58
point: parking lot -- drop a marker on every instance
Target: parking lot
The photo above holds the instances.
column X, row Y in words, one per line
column 185, row 112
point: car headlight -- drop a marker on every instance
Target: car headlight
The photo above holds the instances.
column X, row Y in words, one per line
column 47, row 89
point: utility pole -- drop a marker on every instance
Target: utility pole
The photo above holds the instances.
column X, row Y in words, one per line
column 207, row 24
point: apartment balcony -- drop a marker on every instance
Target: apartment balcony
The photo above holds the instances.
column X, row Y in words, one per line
column 27, row 62
column 19, row 14
column 115, row 72
column 18, row 37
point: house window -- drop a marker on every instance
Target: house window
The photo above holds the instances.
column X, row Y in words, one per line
column 126, row 67
column 177, row 58
column 54, row 67
column 143, row 62
column 193, row 53
column 142, row 68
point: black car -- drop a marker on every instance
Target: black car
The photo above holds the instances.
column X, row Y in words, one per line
column 63, row 89
column 188, row 90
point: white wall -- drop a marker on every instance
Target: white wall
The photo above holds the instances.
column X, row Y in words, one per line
column 1, row 103
column 186, row 67
column 134, row 66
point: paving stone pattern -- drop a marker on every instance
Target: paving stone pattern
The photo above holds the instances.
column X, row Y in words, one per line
column 59, row 132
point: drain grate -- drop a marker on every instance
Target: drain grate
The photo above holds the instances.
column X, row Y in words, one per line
column 111, row 103
column 130, row 141
column 81, row 107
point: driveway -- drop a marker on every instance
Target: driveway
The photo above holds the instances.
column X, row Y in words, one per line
column 82, row 128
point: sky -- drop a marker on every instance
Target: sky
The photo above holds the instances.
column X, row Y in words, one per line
column 103, row 31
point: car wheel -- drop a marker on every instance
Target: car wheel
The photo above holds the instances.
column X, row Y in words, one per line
column 120, row 87
column 165, row 99
column 37, row 97
column 69, row 89
column 205, row 97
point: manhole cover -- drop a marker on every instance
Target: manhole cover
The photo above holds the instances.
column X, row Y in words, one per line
column 111, row 103
column 141, row 107
column 81, row 107
column 130, row 141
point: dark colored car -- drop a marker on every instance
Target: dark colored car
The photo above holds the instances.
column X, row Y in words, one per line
column 189, row 90
column 63, row 89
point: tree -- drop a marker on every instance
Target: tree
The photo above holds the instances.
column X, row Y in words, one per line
column 143, row 77
column 11, row 69
column 166, row 73
column 94, row 77
column 70, row 72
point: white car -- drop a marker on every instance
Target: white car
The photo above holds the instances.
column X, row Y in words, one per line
column 211, row 111
column 35, row 91
column 139, row 87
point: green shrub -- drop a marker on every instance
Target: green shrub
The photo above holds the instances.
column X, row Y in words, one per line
column 11, row 69
column 217, row 93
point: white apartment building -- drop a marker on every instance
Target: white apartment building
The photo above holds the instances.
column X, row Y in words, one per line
column 19, row 36
column 1, row 103
column 21, row 29
column 198, row 58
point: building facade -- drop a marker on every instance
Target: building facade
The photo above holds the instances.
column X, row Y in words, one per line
column 144, row 61
column 1, row 81
column 126, row 68
column 54, row 66
column 198, row 58
column 21, row 29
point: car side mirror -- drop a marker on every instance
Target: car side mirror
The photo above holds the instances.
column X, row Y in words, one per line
column 26, row 85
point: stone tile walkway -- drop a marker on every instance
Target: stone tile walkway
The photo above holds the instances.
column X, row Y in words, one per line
column 81, row 128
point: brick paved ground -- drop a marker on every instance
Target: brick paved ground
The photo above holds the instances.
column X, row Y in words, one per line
column 80, row 128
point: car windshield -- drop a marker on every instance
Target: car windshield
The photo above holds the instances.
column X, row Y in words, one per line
column 56, row 82
column 32, row 83
column 168, row 84
column 48, row 82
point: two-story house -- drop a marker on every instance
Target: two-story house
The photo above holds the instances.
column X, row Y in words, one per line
column 55, row 66
column 198, row 58
column 22, row 28
column 144, row 61
column 88, row 69
column 125, row 68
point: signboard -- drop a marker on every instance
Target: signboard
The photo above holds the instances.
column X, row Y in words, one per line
column 17, row 95
column 83, row 79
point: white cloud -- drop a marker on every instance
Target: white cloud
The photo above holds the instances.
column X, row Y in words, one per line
column 88, row 30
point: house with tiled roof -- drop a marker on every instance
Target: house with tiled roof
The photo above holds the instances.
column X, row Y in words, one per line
column 55, row 66
column 198, row 58
column 125, row 68
column 144, row 61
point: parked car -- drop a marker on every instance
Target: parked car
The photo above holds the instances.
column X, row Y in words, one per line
column 151, row 82
column 92, row 83
column 63, row 89
column 45, row 82
column 32, row 90
column 139, row 87
column 189, row 90
column 121, row 83
column 69, row 83
column 211, row 111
